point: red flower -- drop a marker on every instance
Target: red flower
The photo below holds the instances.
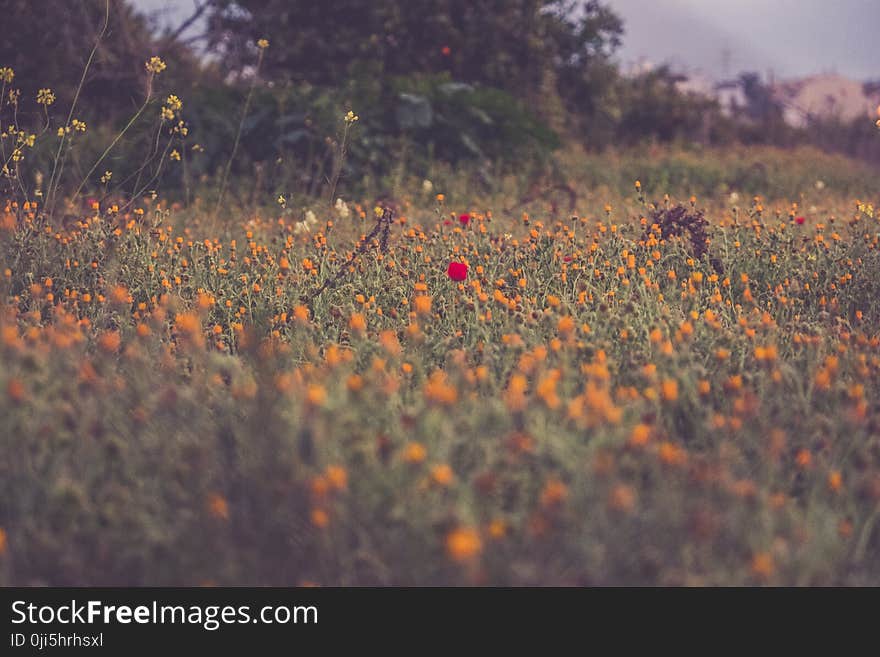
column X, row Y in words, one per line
column 464, row 219
column 457, row 271
column 799, row 221
column 446, row 50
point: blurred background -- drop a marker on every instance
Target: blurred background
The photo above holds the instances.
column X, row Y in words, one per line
column 488, row 84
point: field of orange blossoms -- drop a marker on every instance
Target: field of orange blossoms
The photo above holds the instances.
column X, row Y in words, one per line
column 636, row 396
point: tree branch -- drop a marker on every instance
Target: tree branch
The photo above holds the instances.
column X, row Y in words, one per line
column 199, row 10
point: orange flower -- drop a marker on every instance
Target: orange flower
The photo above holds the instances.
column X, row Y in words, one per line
column 316, row 395
column 337, row 477
column 670, row 390
column 641, row 434
column 15, row 390
column 565, row 325
column 301, row 314
column 463, row 544
column 390, row 343
column 442, row 474
column 320, row 518
column 119, row 295
column 439, row 391
column 762, row 565
column 671, row 454
column 357, row 323
column 422, row 305
column 218, row 507
column 189, row 328
column 835, row 481
column 623, row 498
column 554, row 493
column 804, row 459
column 497, row 529
column 414, row 452
column 546, row 389
column 515, row 395
column 109, row 341
column 320, row 487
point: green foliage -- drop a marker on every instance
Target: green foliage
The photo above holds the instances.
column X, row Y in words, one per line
column 652, row 107
column 291, row 132
column 456, row 121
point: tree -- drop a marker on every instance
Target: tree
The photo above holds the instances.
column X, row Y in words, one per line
column 497, row 43
column 48, row 43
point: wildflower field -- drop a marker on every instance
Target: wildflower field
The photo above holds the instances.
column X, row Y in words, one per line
column 648, row 392
column 660, row 366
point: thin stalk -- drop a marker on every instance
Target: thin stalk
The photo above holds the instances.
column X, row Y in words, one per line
column 247, row 104
column 53, row 183
column 115, row 141
column 337, row 166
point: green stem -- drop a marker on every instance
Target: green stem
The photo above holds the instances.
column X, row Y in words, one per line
column 247, row 104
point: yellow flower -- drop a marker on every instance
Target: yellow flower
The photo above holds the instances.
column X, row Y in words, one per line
column 351, row 117
column 45, row 97
column 155, row 65
column 174, row 103
column 262, row 44
column 6, row 74
column 175, row 155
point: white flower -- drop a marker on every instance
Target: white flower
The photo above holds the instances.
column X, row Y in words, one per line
column 820, row 185
column 427, row 186
column 311, row 219
column 342, row 209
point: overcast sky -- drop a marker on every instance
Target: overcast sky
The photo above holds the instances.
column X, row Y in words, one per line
column 791, row 38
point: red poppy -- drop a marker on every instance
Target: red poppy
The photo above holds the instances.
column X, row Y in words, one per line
column 446, row 50
column 464, row 219
column 457, row 271
column 799, row 221
column 566, row 258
